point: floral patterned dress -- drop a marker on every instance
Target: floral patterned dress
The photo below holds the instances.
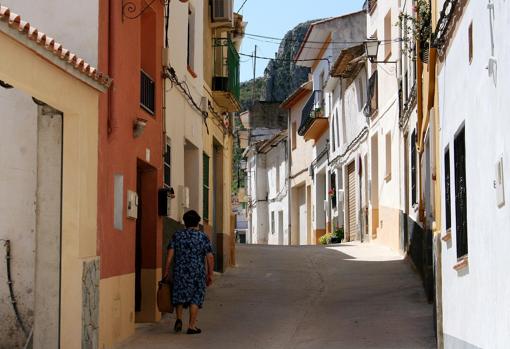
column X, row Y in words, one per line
column 189, row 275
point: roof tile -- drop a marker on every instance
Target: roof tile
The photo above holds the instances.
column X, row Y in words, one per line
column 14, row 20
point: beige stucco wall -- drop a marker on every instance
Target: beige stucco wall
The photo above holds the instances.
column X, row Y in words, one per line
column 183, row 122
column 117, row 318
column 34, row 75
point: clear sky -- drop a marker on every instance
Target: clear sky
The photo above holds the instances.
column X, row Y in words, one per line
column 275, row 17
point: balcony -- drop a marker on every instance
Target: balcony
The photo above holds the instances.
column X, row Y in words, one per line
column 226, row 75
column 313, row 122
column 147, row 93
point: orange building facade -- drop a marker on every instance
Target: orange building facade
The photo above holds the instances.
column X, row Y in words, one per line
column 130, row 170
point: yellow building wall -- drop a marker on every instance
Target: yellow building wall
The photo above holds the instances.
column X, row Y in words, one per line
column 34, row 75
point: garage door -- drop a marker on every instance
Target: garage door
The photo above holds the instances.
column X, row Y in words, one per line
column 352, row 224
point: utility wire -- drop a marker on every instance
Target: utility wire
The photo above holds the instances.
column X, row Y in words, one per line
column 285, row 59
column 312, row 42
column 240, row 8
column 316, row 47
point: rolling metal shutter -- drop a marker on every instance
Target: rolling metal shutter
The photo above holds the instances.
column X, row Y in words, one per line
column 352, row 226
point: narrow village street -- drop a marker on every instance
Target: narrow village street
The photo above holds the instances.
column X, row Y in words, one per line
column 350, row 296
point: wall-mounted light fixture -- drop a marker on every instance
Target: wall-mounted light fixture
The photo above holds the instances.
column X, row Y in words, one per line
column 138, row 127
column 372, row 49
column 130, row 9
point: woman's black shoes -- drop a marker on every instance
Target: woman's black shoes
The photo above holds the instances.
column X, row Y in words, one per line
column 178, row 325
column 194, row 331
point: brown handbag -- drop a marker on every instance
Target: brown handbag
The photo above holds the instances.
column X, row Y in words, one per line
column 164, row 297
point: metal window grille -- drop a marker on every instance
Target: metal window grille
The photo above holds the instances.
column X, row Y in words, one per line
column 333, row 189
column 206, row 187
column 147, row 92
column 448, row 200
column 373, row 95
column 413, row 169
column 226, row 74
column 460, row 194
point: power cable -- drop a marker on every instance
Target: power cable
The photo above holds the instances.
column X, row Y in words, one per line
column 240, row 8
column 311, row 41
column 317, row 47
column 285, row 59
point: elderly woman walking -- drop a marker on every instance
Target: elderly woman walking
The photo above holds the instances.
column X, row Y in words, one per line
column 190, row 250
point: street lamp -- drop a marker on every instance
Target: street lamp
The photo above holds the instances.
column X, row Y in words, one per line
column 372, row 48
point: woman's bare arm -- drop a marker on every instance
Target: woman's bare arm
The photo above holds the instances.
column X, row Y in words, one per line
column 210, row 267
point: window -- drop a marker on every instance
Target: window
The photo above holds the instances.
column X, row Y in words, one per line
column 294, row 135
column 360, row 93
column 118, row 201
column 148, row 61
column 470, row 42
column 272, row 223
column 333, row 134
column 387, row 35
column 191, row 39
column 387, row 175
column 205, row 197
column 167, row 164
column 333, row 189
column 447, row 191
column 337, row 140
column 414, row 177
column 277, row 176
column 373, row 94
column 460, row 194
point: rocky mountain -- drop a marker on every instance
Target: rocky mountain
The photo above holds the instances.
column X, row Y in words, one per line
column 281, row 76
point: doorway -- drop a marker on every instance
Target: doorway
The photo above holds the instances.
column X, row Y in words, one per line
column 218, row 235
column 145, row 242
column 374, row 187
column 30, row 220
column 352, row 222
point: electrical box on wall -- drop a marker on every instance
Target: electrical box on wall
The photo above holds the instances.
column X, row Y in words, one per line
column 340, row 195
column 132, row 204
column 499, row 183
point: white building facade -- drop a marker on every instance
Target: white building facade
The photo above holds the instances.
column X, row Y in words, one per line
column 267, row 190
column 384, row 136
column 473, row 82
column 349, row 145
column 335, row 34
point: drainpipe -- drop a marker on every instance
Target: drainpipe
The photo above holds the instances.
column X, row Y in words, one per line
column 289, row 167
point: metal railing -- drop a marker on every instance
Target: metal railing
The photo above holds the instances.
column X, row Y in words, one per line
column 147, row 92
column 226, row 74
column 313, row 109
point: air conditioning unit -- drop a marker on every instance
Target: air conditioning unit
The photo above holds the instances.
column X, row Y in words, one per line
column 222, row 11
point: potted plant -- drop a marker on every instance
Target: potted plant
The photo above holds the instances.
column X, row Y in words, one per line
column 418, row 27
column 338, row 236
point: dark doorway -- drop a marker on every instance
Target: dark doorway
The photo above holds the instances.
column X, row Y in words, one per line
column 146, row 238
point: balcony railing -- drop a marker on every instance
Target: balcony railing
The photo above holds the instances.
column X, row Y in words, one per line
column 372, row 4
column 226, row 75
column 147, row 92
column 313, row 120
